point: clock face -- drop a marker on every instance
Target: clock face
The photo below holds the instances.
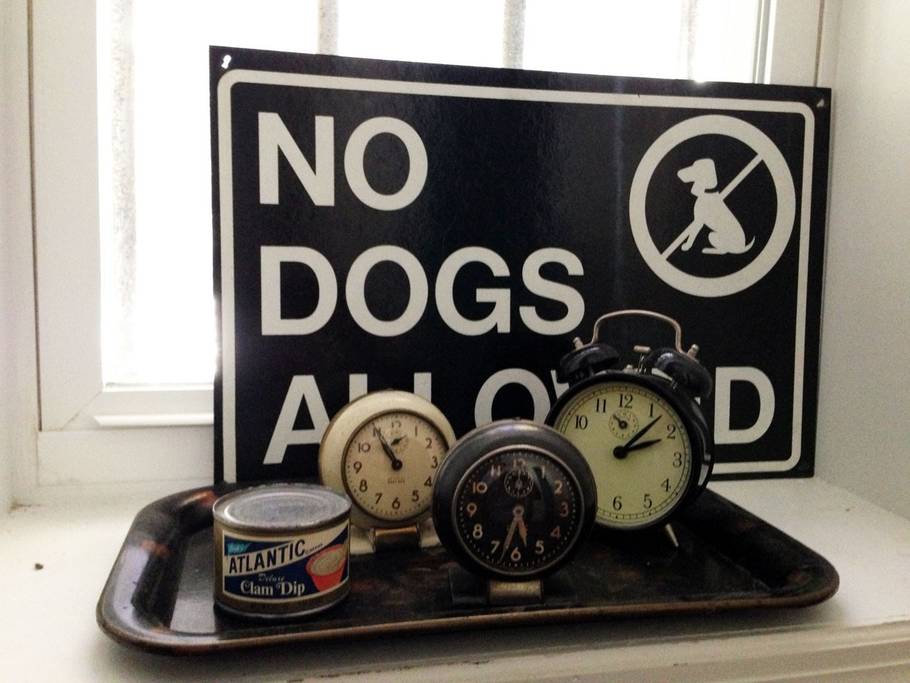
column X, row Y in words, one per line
column 518, row 511
column 390, row 464
column 637, row 446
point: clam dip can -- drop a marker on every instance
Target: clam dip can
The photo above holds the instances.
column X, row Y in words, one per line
column 281, row 550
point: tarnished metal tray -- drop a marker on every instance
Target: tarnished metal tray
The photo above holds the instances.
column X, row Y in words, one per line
column 159, row 593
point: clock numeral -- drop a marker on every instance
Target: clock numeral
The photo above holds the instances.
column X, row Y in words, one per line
column 495, row 471
column 665, row 485
column 363, row 486
column 396, row 424
column 671, row 431
column 515, row 555
column 539, row 548
column 415, row 496
column 625, row 400
column 564, row 509
column 519, row 464
column 647, row 502
column 477, row 533
column 479, row 487
column 428, row 482
column 557, row 487
column 557, row 532
column 434, row 463
column 495, row 545
column 363, row 446
column 396, row 503
column 651, row 411
column 677, row 459
column 378, row 498
column 358, row 466
column 600, row 406
column 617, row 503
column 581, row 422
column 429, row 443
column 471, row 509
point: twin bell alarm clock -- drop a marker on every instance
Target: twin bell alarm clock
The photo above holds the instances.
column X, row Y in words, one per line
column 640, row 428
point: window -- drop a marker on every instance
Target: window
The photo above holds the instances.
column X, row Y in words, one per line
column 157, row 317
column 121, row 141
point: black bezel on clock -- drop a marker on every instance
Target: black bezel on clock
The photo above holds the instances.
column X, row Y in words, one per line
column 692, row 418
column 494, row 438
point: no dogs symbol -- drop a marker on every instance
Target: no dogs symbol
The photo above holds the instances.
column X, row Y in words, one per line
column 712, row 205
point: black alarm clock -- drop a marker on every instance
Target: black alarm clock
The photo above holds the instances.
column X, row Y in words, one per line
column 513, row 500
column 640, row 429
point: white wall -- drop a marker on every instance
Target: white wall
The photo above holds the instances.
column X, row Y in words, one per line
column 864, row 407
column 18, row 390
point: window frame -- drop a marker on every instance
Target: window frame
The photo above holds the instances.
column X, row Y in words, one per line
column 95, row 434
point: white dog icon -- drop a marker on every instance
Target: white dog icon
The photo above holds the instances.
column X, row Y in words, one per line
column 726, row 234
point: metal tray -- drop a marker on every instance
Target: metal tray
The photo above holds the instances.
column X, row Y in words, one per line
column 158, row 596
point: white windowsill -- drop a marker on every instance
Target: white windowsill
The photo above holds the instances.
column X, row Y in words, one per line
column 862, row 632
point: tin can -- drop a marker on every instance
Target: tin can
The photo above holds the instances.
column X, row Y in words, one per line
column 281, row 550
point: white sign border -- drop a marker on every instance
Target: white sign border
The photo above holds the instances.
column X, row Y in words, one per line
column 226, row 202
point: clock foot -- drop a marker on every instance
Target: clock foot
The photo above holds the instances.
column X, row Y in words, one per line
column 668, row 530
column 514, row 592
column 470, row 591
column 394, row 539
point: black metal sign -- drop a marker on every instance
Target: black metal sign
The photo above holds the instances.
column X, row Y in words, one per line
column 448, row 230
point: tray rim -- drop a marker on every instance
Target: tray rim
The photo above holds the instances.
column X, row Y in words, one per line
column 176, row 507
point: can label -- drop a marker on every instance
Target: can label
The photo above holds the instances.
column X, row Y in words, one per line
column 285, row 568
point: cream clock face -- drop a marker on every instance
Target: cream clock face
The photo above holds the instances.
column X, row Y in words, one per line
column 638, row 449
column 382, row 450
column 390, row 464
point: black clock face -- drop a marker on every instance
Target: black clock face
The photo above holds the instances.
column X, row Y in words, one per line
column 518, row 511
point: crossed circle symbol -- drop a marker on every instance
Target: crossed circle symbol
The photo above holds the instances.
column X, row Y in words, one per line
column 766, row 152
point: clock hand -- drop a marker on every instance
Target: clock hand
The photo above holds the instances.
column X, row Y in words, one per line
column 642, row 444
column 518, row 522
column 620, row 452
column 387, row 449
column 642, row 432
column 398, row 439
column 622, row 423
column 509, row 535
column 523, row 531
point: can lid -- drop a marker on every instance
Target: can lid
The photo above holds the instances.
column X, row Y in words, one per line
column 281, row 506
